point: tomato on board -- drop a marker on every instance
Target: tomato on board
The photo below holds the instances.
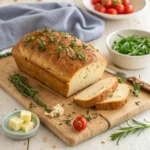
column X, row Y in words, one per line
column 111, row 11
column 126, row 2
column 107, row 3
column 120, row 8
column 129, row 9
column 95, row 1
column 80, row 123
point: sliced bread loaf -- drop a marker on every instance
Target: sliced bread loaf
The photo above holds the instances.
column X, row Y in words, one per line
column 116, row 100
column 96, row 92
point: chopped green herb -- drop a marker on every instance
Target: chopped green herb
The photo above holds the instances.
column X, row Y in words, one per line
column 53, row 40
column 80, row 55
column 42, row 45
column 31, row 105
column 20, row 83
column 5, row 55
column 68, row 53
column 68, row 121
column 87, row 112
column 29, row 39
column 120, row 80
column 84, row 46
column 111, row 95
column 136, row 91
column 72, row 44
column 137, row 103
column 46, row 29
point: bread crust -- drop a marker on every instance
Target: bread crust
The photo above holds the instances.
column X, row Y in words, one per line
column 112, row 105
column 102, row 96
column 50, row 66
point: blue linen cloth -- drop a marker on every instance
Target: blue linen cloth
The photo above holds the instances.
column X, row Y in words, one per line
column 20, row 19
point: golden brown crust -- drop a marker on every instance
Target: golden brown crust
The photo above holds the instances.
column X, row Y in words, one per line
column 39, row 73
column 92, row 102
column 52, row 59
column 112, row 105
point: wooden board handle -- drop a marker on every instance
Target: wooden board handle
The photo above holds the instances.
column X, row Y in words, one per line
column 144, row 86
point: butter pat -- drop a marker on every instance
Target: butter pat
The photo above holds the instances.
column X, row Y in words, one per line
column 27, row 126
column 25, row 115
column 57, row 111
column 15, row 123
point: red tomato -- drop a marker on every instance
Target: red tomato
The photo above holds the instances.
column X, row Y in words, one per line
column 101, row 9
column 111, row 11
column 129, row 9
column 126, row 2
column 120, row 8
column 80, row 123
column 95, row 1
column 106, row 3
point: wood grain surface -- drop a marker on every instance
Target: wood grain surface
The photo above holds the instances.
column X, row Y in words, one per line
column 104, row 121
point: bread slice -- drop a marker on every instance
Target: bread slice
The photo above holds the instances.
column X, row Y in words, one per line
column 96, row 92
column 117, row 100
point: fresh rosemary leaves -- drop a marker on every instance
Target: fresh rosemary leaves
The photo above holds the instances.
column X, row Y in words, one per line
column 20, row 82
column 5, row 55
column 124, row 131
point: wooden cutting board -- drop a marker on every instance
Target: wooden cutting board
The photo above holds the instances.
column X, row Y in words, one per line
column 102, row 122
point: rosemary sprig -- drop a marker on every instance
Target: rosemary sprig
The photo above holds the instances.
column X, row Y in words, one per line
column 124, row 131
column 5, row 55
column 20, row 82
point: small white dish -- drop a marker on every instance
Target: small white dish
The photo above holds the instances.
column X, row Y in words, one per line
column 126, row 61
column 19, row 135
column 139, row 6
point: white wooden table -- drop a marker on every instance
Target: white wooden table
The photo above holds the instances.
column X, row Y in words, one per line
column 46, row 140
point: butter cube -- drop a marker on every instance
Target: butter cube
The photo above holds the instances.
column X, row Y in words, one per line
column 15, row 123
column 27, row 126
column 25, row 115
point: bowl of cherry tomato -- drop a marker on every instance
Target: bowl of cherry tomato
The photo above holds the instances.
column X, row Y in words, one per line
column 116, row 9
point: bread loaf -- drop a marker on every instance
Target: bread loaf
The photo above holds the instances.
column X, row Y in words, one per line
column 116, row 100
column 96, row 92
column 59, row 60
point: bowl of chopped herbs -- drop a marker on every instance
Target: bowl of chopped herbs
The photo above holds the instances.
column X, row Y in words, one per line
column 129, row 48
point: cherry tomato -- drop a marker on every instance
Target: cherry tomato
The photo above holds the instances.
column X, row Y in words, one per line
column 100, row 8
column 95, row 1
column 111, row 11
column 106, row 3
column 126, row 2
column 80, row 123
column 129, row 9
column 120, row 8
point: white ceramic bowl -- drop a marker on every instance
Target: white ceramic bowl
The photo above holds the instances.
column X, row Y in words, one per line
column 125, row 61
column 139, row 6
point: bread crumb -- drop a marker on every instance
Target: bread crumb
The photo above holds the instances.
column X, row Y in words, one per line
column 45, row 139
column 102, row 142
column 54, row 146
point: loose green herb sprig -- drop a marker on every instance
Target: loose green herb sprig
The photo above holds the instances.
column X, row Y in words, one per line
column 132, row 45
column 120, row 80
column 124, row 131
column 5, row 55
column 20, row 82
